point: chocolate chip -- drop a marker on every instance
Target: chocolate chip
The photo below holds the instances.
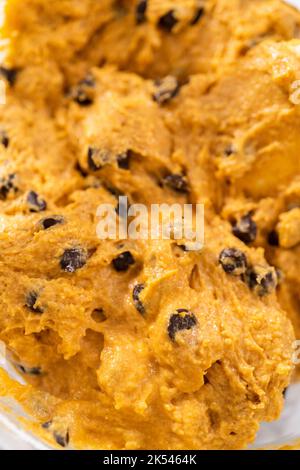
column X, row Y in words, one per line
column 51, row 221
column 198, row 15
column 31, row 300
column 123, row 159
column 177, row 182
column 205, row 380
column 181, row 320
column 62, row 440
column 136, row 299
column 284, row 393
column 245, row 229
column 183, row 248
column 140, row 12
column 113, row 191
column 167, row 88
column 9, row 74
column 84, row 92
column 72, row 260
column 7, row 185
column 233, row 261
column 262, row 280
column 167, row 21
column 273, row 238
column 229, row 150
column 35, row 203
column 80, row 170
column 29, row 370
column 123, row 261
column 46, row 425
column 98, row 158
column 4, row 139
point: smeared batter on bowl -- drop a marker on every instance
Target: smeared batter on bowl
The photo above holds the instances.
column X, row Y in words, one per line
column 142, row 344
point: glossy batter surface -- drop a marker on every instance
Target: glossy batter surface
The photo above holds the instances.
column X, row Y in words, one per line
column 141, row 344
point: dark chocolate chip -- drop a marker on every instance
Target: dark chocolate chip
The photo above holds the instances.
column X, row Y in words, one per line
column 233, row 261
column 183, row 247
column 98, row 158
column 80, row 170
column 273, row 238
column 136, row 298
column 4, row 139
column 205, row 380
column 29, row 370
column 167, row 21
column 7, row 185
column 140, row 12
column 262, row 280
column 123, row 160
column 35, row 203
column 181, row 320
column 284, row 393
column 167, row 88
column 123, row 261
column 62, row 440
column 46, row 425
column 177, row 182
column 49, row 222
column 84, row 92
column 113, row 191
column 72, row 260
column 245, row 229
column 198, row 15
column 229, row 150
column 9, row 74
column 31, row 300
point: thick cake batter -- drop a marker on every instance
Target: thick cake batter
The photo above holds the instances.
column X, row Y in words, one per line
column 142, row 344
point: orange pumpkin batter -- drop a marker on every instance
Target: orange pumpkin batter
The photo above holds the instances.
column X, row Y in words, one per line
column 141, row 344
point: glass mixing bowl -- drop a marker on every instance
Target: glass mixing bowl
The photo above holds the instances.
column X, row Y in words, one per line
column 282, row 433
